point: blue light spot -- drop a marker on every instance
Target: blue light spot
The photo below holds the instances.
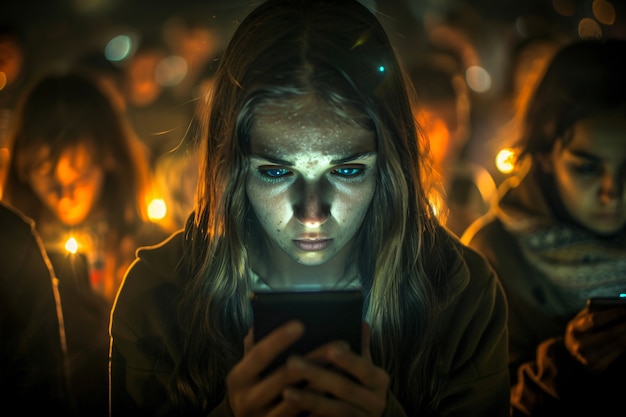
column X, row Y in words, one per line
column 118, row 48
column 381, row 68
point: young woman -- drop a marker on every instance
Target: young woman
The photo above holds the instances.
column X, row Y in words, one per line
column 78, row 171
column 558, row 237
column 312, row 175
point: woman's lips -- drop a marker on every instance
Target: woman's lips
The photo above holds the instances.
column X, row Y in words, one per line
column 313, row 245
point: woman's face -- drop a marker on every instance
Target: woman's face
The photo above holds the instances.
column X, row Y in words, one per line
column 590, row 174
column 72, row 187
column 311, row 180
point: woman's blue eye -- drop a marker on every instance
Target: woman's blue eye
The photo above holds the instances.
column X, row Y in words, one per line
column 275, row 172
column 273, row 175
column 349, row 172
column 586, row 168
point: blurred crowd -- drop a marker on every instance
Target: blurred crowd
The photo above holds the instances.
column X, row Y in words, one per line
column 474, row 65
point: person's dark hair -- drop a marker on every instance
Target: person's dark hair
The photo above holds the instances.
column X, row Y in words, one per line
column 339, row 52
column 63, row 110
column 586, row 78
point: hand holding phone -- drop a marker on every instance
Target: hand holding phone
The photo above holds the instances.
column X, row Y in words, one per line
column 327, row 316
column 593, row 336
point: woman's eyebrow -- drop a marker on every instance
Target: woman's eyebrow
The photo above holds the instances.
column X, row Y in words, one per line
column 584, row 154
column 343, row 160
column 272, row 159
column 354, row 157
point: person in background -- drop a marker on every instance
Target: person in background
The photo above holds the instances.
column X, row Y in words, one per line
column 557, row 237
column 312, row 174
column 79, row 172
column 32, row 352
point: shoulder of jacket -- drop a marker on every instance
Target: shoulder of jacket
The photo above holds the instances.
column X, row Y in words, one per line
column 171, row 246
column 13, row 219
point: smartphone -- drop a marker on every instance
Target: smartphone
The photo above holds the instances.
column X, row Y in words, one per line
column 327, row 315
column 600, row 303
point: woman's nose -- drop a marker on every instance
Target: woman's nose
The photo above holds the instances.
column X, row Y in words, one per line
column 64, row 190
column 611, row 187
column 312, row 208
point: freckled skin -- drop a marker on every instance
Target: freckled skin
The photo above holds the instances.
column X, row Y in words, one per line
column 590, row 173
column 322, row 176
column 71, row 188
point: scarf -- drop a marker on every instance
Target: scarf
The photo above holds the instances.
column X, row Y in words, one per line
column 576, row 262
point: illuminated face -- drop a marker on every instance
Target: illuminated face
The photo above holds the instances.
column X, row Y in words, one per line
column 71, row 188
column 311, row 181
column 590, row 174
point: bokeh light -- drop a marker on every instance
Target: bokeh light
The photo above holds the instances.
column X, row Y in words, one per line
column 171, row 71
column 603, row 11
column 505, row 160
column 589, row 29
column 478, row 79
column 71, row 245
column 157, row 209
column 118, row 48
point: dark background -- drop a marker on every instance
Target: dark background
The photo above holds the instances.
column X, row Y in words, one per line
column 58, row 31
column 61, row 28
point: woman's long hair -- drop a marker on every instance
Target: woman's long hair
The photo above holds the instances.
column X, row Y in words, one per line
column 340, row 53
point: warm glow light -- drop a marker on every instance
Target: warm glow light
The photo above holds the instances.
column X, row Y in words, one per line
column 71, row 245
column 589, row 29
column 438, row 206
column 157, row 209
column 478, row 79
column 505, row 160
column 604, row 11
column 171, row 71
column 564, row 7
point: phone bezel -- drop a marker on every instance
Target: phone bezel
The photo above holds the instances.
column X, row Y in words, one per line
column 598, row 303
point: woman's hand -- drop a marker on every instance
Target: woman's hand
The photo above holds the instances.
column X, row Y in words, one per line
column 329, row 381
column 339, row 382
column 597, row 338
column 248, row 394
